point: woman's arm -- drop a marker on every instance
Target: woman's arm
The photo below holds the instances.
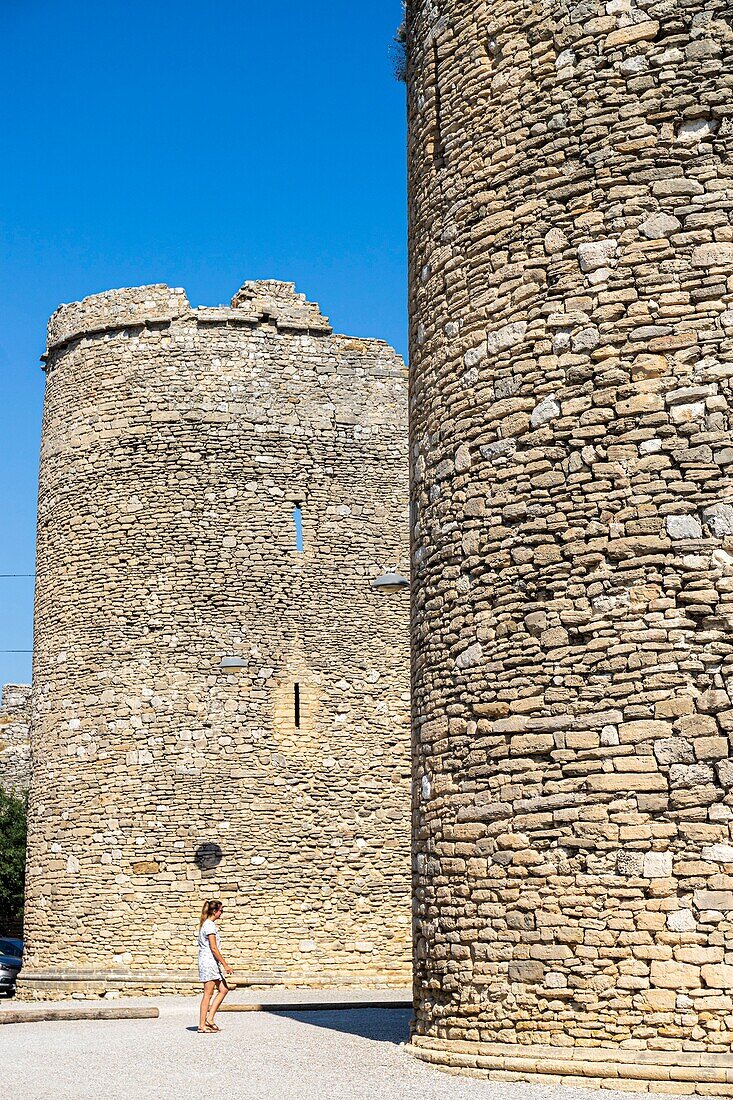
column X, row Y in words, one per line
column 217, row 953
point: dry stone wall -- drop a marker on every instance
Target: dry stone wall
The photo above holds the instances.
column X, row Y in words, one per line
column 177, row 446
column 571, row 191
column 15, row 749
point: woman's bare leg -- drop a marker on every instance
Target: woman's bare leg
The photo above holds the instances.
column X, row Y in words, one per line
column 204, row 1007
column 215, row 1004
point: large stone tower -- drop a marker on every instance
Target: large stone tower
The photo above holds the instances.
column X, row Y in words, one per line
column 218, row 485
column 571, row 191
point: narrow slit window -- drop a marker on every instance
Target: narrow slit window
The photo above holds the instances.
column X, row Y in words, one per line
column 438, row 149
column 296, row 705
column 298, row 524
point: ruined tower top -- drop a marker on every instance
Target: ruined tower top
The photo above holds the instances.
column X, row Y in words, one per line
column 257, row 302
column 278, row 301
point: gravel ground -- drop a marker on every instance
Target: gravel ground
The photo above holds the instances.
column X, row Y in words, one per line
column 349, row 1054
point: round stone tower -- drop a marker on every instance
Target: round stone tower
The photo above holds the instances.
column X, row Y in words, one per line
column 220, row 694
column 571, row 288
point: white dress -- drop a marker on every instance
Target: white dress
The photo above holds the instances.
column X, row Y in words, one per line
column 208, row 966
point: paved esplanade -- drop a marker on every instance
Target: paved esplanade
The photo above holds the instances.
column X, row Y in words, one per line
column 351, row 1055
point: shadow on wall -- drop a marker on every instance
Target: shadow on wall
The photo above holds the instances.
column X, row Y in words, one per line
column 383, row 1024
column 208, row 856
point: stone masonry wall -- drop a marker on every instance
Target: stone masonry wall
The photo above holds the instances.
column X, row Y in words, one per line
column 176, row 445
column 15, row 749
column 571, row 191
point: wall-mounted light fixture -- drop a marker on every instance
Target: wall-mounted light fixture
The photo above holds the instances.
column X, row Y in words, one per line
column 232, row 664
column 390, row 582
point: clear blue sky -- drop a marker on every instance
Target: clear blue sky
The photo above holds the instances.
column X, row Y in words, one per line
column 197, row 145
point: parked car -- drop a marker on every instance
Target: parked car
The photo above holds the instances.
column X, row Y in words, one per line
column 11, row 958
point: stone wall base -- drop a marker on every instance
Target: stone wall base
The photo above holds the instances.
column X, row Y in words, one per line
column 57, row 985
column 663, row 1071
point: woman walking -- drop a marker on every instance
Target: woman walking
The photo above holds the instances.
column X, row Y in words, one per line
column 212, row 967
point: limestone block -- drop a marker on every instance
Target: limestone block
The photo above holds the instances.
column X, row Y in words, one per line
column 635, row 32
column 724, row 769
column 692, row 775
column 555, row 636
column 718, row 853
column 649, row 366
column 597, row 254
column 614, row 781
column 681, row 920
column 660, row 225
column 718, row 975
column 633, row 66
column 585, row 340
column 463, row 458
column 470, row 656
column 699, row 955
column 485, row 807
column 696, row 129
column 643, row 730
column 673, row 708
column 526, row 971
column 719, row 519
column 555, row 241
column 713, row 700
column 145, row 867
column 714, row 899
column 711, row 748
column 697, row 725
column 674, row 975
column 657, row 864
column 544, row 412
column 532, row 743
column 640, row 403
column 718, row 254
column 684, row 527
column 505, row 337
column 657, row 1000
column 674, row 750
column 630, row 863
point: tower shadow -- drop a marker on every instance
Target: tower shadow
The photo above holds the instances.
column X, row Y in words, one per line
column 382, row 1025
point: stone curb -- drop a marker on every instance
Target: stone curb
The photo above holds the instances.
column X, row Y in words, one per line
column 75, row 1012
column 643, row 1071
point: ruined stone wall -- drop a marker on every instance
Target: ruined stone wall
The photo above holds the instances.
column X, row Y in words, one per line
column 15, row 749
column 571, row 190
column 176, row 445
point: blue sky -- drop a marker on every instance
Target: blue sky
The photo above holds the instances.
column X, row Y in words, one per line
column 196, row 145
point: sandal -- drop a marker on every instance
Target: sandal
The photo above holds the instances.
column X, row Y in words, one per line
column 210, row 1024
column 203, row 1031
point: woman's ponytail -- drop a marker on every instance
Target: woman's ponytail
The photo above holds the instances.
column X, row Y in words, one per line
column 210, row 907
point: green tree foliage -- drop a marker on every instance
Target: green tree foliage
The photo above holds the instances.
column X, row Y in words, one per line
column 398, row 49
column 13, row 832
